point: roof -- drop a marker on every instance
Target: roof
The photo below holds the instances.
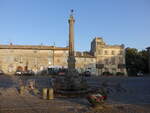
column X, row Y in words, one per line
column 36, row 47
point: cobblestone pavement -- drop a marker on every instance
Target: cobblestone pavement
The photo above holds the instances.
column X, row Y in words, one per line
column 126, row 95
column 127, row 90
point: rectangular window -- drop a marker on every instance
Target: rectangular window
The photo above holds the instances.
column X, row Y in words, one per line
column 121, row 52
column 106, row 61
column 113, row 61
column 113, row 52
column 100, row 52
column 106, row 52
column 120, row 60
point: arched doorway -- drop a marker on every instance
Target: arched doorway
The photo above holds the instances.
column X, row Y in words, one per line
column 19, row 68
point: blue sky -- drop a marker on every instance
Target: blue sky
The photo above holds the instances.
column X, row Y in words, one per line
column 32, row 22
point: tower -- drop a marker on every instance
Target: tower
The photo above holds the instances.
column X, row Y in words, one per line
column 71, row 22
column 71, row 58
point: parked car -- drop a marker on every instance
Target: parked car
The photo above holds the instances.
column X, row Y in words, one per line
column 28, row 73
column 53, row 71
column 19, row 73
column 62, row 72
column 86, row 74
column 139, row 74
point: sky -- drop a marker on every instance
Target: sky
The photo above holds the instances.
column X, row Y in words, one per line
column 36, row 22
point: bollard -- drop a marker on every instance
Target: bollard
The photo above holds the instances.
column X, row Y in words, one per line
column 50, row 94
column 35, row 91
column 21, row 90
column 44, row 93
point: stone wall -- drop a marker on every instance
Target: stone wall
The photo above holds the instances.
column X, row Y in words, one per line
column 12, row 59
column 37, row 60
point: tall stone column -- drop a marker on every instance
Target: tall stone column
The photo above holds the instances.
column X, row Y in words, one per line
column 71, row 35
column 71, row 58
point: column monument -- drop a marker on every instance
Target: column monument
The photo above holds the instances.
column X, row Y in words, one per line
column 72, row 81
column 71, row 57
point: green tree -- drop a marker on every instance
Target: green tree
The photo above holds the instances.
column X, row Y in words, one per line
column 144, row 59
column 136, row 61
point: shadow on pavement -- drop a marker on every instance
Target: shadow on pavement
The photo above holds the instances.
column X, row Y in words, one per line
column 6, row 81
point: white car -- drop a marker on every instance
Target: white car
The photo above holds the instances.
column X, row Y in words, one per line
column 139, row 74
column 18, row 73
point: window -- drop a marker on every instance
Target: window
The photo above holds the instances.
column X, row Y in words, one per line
column 120, row 60
column 113, row 52
column 106, row 70
column 106, row 61
column 58, row 60
column 21, row 59
column 34, row 51
column 106, row 52
column 100, row 52
column 121, row 52
column 113, row 61
column 16, row 59
column 122, row 70
column 98, row 43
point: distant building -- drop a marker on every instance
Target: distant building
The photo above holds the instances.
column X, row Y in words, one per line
column 100, row 58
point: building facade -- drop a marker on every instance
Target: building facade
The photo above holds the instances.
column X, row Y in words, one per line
column 99, row 59
column 109, row 58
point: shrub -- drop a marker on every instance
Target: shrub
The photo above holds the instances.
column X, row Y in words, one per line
column 119, row 73
column 107, row 73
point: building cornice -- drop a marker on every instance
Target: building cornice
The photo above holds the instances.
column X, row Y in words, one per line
column 34, row 47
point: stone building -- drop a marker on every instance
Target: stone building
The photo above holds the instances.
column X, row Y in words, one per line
column 109, row 58
column 100, row 58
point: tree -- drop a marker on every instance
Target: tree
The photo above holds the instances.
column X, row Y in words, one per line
column 144, row 58
column 136, row 61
